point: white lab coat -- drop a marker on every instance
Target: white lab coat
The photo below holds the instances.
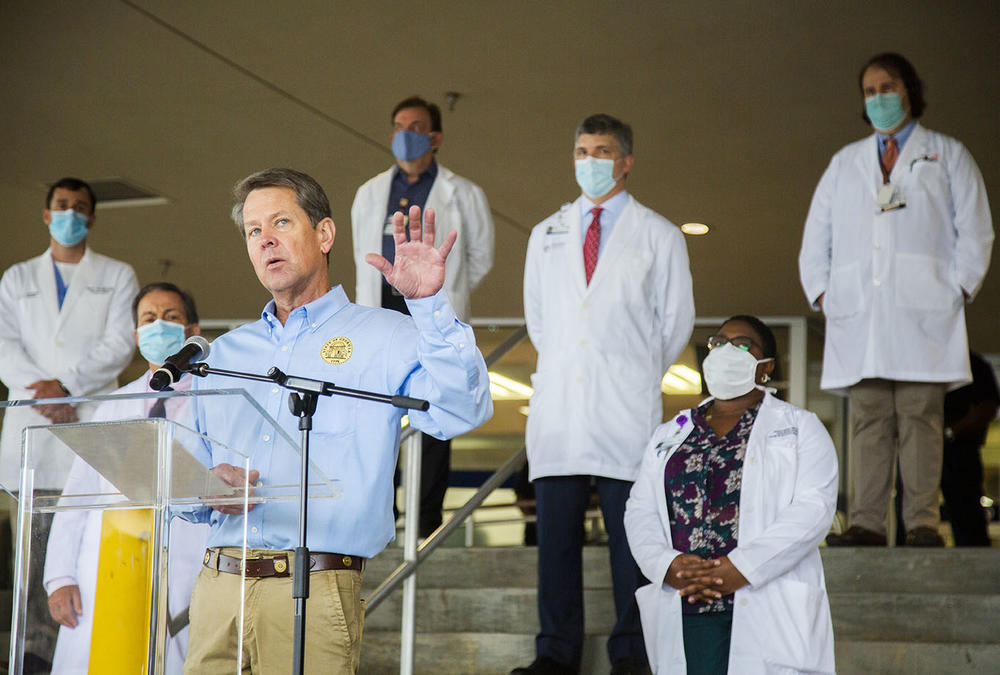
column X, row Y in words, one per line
column 894, row 281
column 85, row 345
column 459, row 204
column 602, row 348
column 74, row 546
column 781, row 620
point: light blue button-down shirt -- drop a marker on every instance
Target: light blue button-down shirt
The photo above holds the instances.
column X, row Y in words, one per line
column 609, row 216
column 431, row 355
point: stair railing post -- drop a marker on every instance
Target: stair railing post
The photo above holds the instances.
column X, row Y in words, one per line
column 412, row 448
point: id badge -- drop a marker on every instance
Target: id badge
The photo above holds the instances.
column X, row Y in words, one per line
column 889, row 198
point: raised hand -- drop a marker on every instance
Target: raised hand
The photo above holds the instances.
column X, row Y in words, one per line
column 418, row 269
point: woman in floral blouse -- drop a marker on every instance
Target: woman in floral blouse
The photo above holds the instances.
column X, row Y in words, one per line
column 731, row 503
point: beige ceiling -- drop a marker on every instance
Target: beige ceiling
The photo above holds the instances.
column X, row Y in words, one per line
column 736, row 106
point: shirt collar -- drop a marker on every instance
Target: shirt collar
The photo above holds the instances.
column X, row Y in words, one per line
column 430, row 173
column 612, row 208
column 315, row 313
column 901, row 136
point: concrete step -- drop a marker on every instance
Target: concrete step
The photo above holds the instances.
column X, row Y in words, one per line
column 848, row 570
column 916, row 658
column 492, row 654
column 912, row 570
column 912, row 617
column 466, row 653
column 499, row 567
column 894, row 610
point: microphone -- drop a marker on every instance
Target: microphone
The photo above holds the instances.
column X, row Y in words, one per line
column 195, row 348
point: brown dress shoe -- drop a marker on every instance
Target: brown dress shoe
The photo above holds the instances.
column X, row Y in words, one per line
column 856, row 536
column 924, row 536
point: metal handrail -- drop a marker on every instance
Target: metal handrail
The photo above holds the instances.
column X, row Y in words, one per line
column 513, row 464
column 428, row 546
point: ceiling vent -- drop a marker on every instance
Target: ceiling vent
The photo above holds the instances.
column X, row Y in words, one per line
column 119, row 193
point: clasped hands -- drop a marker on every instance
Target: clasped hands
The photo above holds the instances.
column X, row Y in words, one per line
column 57, row 413
column 417, row 270
column 701, row 580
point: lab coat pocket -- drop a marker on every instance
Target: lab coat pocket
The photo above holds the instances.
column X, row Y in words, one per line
column 795, row 617
column 844, row 297
column 660, row 614
column 925, row 282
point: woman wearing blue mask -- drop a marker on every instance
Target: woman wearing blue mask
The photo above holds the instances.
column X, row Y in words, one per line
column 725, row 518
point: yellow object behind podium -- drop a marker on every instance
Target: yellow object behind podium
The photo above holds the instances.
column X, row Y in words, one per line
column 119, row 642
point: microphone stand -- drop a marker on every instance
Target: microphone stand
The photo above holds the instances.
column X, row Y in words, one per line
column 302, row 401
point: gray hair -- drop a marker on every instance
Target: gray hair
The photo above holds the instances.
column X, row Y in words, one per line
column 606, row 124
column 308, row 193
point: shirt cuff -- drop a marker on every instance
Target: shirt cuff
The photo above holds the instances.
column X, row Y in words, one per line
column 53, row 585
column 435, row 310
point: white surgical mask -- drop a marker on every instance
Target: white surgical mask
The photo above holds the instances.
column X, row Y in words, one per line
column 730, row 372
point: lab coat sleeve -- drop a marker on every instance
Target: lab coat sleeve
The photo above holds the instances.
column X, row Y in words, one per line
column 801, row 524
column 643, row 526
column 17, row 370
column 973, row 222
column 66, row 534
column 357, row 209
column 113, row 351
column 817, row 238
column 446, row 368
column 478, row 230
column 676, row 310
column 533, row 289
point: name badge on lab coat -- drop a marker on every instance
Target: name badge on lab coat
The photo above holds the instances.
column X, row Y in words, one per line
column 889, row 198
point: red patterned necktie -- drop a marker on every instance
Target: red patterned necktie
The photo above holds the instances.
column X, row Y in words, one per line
column 889, row 157
column 592, row 243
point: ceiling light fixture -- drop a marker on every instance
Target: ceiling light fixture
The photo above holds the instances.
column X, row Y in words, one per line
column 694, row 228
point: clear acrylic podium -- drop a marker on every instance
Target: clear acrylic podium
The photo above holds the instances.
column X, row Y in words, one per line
column 130, row 522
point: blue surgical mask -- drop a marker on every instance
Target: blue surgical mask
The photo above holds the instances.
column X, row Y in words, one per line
column 160, row 339
column 68, row 227
column 409, row 145
column 595, row 176
column 885, row 111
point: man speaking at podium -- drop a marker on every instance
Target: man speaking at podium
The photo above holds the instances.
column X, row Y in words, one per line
column 310, row 329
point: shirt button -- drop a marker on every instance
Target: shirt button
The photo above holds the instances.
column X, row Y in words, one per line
column 314, row 325
column 743, row 601
column 461, row 345
column 267, row 437
column 284, row 348
column 877, row 282
column 254, row 530
column 274, row 390
column 437, row 312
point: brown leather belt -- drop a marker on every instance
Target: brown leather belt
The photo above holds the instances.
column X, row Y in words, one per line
column 279, row 565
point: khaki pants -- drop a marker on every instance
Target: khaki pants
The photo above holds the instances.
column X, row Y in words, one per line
column 334, row 620
column 886, row 414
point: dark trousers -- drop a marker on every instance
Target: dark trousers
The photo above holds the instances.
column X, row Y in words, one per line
column 435, row 468
column 562, row 502
column 962, row 486
column 706, row 642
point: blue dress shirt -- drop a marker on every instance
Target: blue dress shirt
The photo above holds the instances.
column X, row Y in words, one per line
column 430, row 355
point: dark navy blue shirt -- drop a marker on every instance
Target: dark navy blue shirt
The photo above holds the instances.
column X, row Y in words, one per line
column 402, row 195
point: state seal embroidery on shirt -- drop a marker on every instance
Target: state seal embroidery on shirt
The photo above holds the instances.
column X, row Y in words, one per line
column 337, row 350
